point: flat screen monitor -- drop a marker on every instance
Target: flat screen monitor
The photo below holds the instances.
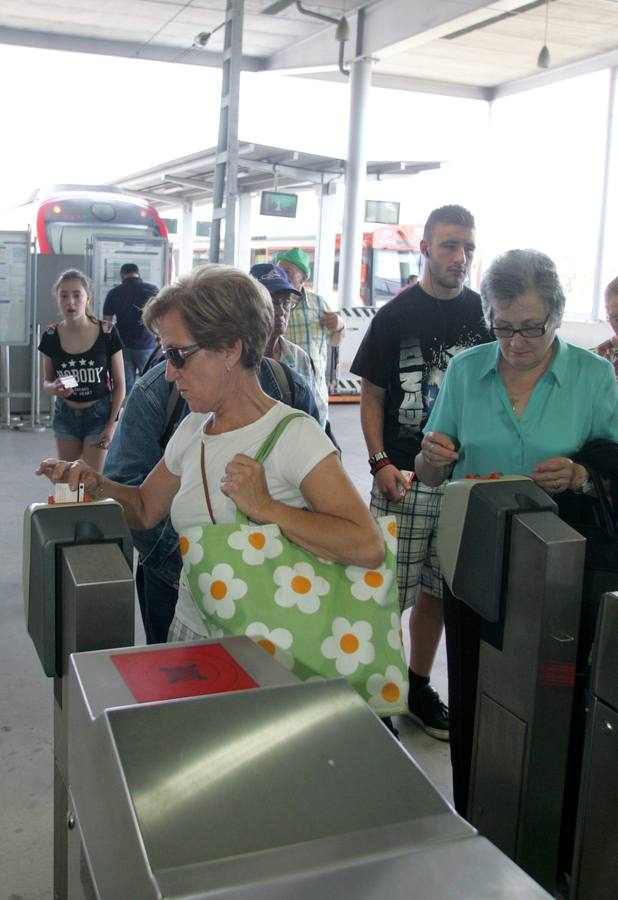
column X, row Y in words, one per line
column 384, row 212
column 274, row 203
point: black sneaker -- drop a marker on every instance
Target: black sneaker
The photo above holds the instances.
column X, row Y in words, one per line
column 426, row 707
column 388, row 723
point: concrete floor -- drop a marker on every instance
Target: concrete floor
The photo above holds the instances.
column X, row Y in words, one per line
column 26, row 737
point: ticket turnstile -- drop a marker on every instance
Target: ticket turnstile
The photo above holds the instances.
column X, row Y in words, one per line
column 263, row 788
column 507, row 555
column 78, row 595
column 595, row 860
column 288, row 790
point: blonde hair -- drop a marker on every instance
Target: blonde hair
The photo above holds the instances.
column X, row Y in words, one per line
column 218, row 305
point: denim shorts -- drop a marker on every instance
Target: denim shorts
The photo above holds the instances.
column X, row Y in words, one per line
column 79, row 424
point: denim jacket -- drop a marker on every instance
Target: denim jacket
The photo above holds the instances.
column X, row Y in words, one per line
column 135, row 450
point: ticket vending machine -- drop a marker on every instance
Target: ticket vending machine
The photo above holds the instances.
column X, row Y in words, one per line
column 505, row 553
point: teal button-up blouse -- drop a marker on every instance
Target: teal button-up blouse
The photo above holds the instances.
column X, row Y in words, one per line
column 575, row 401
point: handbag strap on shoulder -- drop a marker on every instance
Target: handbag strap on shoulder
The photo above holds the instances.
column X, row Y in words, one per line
column 274, row 436
column 260, row 456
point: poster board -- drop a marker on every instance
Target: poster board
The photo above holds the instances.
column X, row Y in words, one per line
column 107, row 255
column 15, row 287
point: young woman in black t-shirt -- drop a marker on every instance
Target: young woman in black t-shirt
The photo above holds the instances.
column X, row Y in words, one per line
column 83, row 370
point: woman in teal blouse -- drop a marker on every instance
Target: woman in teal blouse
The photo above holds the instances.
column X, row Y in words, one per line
column 523, row 405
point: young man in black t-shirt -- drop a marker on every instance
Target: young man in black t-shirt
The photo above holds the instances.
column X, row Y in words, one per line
column 402, row 361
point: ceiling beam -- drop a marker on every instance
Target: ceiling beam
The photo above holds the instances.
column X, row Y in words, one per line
column 273, row 169
column 390, row 27
column 126, row 49
column 418, row 85
column 559, row 73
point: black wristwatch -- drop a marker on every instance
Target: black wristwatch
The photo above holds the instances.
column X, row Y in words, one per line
column 381, row 454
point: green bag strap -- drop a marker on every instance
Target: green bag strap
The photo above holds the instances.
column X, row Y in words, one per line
column 274, row 436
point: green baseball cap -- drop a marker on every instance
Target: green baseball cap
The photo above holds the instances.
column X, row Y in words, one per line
column 298, row 258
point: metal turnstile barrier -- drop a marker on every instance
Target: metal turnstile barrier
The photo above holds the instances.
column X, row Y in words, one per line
column 595, row 869
column 288, row 790
column 79, row 595
column 205, row 770
column 521, row 569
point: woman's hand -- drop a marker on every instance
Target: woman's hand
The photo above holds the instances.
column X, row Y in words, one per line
column 557, row 474
column 438, row 450
column 58, row 389
column 244, row 483
column 71, row 473
column 105, row 438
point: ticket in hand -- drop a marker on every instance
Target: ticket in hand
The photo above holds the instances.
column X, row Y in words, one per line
column 68, row 381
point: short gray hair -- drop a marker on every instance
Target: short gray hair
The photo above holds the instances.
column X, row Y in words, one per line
column 515, row 273
column 218, row 304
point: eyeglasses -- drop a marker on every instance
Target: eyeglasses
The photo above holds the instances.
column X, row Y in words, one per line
column 286, row 304
column 178, row 356
column 530, row 331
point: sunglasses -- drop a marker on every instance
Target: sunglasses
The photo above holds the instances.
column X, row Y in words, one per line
column 178, row 356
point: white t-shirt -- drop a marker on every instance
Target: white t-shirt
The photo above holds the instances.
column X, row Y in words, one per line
column 299, row 449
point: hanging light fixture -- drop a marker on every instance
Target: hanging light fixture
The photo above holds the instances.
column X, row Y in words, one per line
column 544, row 59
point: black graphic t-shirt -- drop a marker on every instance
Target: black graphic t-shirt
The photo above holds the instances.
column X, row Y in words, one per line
column 406, row 351
column 91, row 369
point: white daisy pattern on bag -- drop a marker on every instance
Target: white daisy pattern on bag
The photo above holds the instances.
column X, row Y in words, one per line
column 394, row 636
column 370, row 584
column 190, row 548
column 389, row 687
column 388, row 526
column 219, row 590
column 277, row 642
column 299, row 586
column 257, row 543
column 349, row 645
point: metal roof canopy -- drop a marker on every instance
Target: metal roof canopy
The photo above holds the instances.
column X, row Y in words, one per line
column 260, row 167
column 467, row 48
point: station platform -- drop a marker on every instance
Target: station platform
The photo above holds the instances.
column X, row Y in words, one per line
column 26, row 697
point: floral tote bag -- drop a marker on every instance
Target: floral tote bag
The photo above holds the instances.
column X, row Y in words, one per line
column 318, row 618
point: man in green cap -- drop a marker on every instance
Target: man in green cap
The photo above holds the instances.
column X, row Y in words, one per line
column 313, row 325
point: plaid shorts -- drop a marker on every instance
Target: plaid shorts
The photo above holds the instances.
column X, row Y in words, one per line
column 417, row 517
column 180, row 632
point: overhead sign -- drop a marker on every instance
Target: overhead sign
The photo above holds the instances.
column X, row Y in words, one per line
column 273, row 203
column 385, row 212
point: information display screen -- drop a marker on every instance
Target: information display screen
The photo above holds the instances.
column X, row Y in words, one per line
column 276, row 204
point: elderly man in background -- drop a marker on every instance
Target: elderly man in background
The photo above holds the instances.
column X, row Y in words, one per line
column 285, row 298
column 609, row 349
column 313, row 325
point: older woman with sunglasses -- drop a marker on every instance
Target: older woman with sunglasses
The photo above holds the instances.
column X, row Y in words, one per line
column 523, row 405
column 214, row 325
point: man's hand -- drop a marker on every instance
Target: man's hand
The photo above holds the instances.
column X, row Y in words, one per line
column 392, row 483
column 331, row 321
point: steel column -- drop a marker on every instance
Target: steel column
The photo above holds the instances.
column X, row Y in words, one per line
column 225, row 190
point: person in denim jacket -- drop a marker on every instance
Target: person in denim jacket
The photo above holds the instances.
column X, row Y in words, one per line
column 138, row 445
